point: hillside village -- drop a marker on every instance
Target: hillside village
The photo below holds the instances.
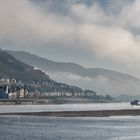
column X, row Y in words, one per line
column 14, row 89
column 36, row 88
column 19, row 80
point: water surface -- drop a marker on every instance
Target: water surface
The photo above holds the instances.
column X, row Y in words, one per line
column 54, row 128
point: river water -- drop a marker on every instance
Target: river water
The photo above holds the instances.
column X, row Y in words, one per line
column 70, row 128
column 59, row 128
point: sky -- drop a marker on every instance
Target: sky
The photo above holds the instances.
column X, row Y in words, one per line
column 93, row 33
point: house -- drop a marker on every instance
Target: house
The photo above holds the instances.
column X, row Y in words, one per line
column 3, row 92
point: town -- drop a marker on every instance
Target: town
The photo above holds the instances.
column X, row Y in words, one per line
column 17, row 92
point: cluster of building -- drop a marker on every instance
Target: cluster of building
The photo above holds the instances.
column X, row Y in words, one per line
column 6, row 92
column 7, row 81
column 5, row 89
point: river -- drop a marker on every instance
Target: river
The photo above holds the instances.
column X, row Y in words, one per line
column 55, row 128
column 70, row 128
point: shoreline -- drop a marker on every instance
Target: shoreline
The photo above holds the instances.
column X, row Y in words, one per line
column 98, row 113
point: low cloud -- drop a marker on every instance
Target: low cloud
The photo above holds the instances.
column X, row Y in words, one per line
column 101, row 84
column 69, row 76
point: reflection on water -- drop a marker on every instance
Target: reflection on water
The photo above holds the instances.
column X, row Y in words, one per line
column 53, row 128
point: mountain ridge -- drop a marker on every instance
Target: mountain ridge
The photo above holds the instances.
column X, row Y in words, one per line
column 12, row 68
column 103, row 81
column 67, row 66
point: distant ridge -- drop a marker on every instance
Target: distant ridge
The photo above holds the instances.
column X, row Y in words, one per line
column 54, row 66
column 103, row 81
column 47, row 65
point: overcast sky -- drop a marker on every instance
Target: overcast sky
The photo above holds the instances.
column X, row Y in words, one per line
column 93, row 33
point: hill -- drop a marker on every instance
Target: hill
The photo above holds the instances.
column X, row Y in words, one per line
column 13, row 68
column 101, row 80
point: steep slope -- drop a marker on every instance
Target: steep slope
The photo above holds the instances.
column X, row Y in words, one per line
column 48, row 65
column 101, row 80
column 13, row 68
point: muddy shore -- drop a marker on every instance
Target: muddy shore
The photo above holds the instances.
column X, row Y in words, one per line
column 99, row 113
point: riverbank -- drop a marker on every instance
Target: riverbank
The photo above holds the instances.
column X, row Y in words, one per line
column 98, row 113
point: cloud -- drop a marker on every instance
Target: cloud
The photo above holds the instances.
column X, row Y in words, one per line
column 22, row 22
column 101, row 84
column 130, row 15
column 111, row 42
column 69, row 76
column 113, row 36
column 86, row 14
